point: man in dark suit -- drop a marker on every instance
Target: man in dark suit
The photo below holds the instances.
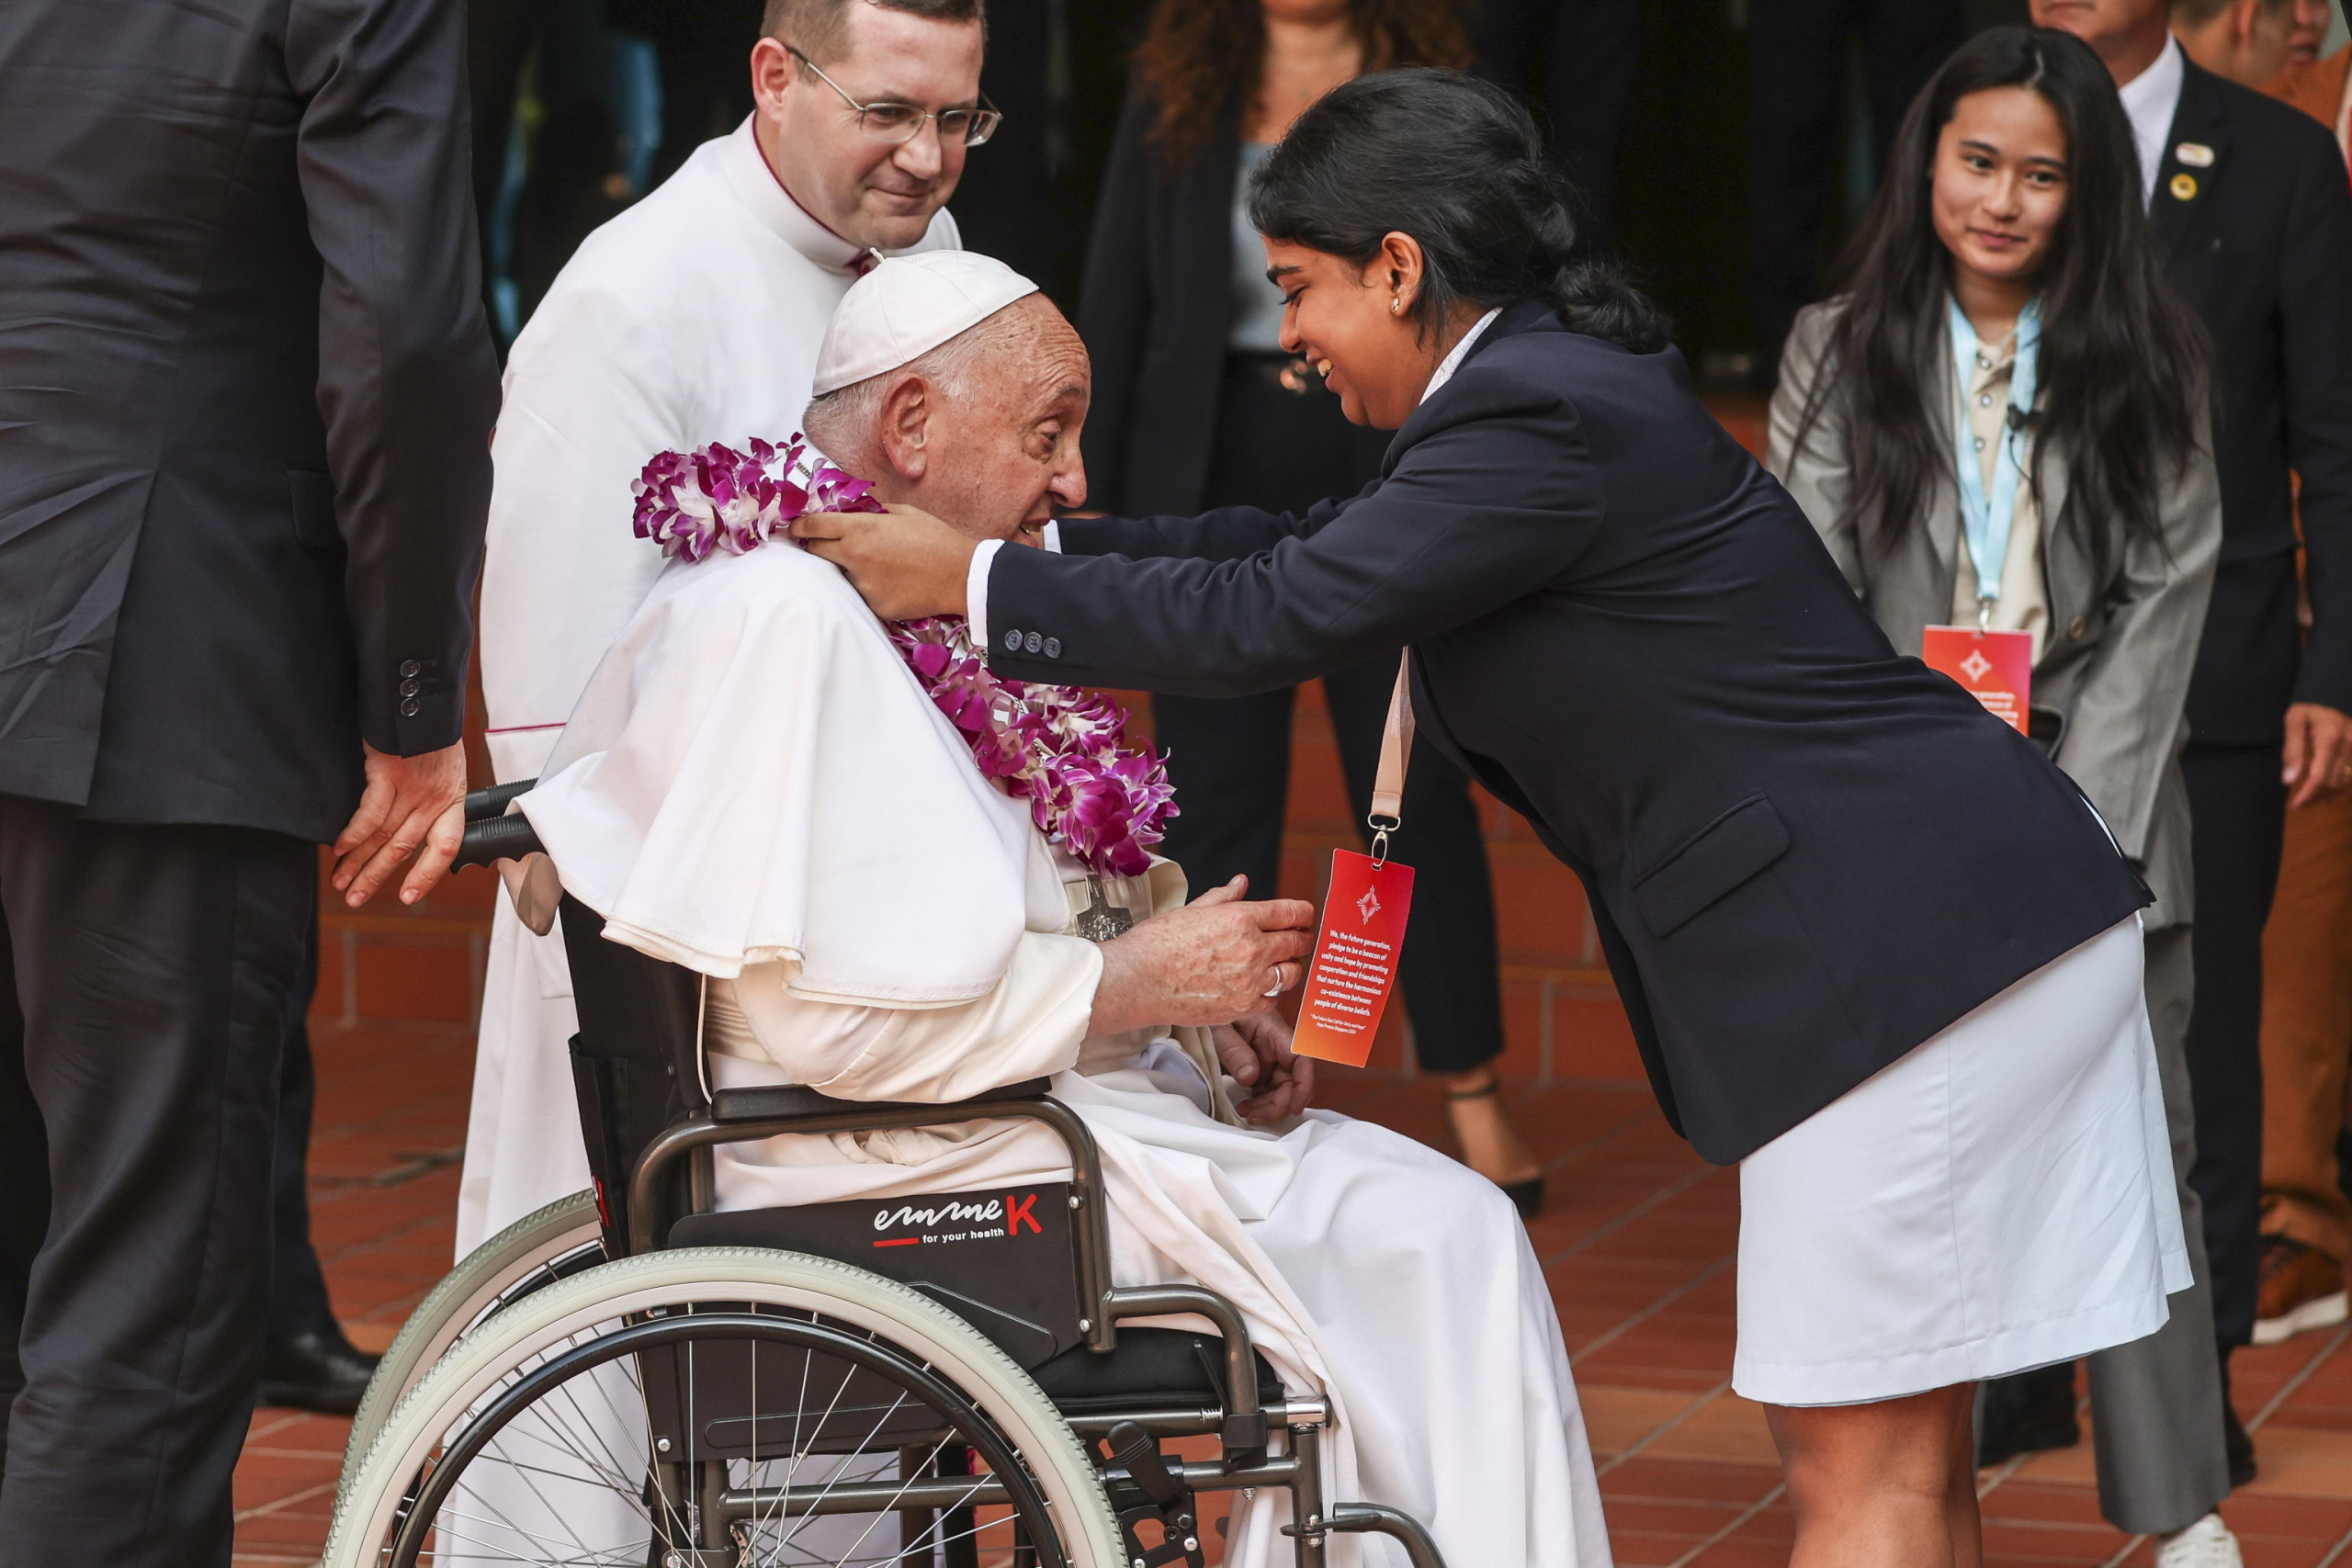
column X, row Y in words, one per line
column 246, row 393
column 2248, row 199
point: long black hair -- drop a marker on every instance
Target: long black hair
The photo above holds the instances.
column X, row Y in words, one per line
column 1456, row 164
column 2122, row 360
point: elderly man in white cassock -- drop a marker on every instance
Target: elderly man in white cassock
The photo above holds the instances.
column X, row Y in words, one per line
column 693, row 317
column 766, row 784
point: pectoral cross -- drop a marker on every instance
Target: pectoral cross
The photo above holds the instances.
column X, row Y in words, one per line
column 1102, row 920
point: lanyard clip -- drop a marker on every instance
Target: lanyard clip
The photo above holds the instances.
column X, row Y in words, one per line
column 1984, row 616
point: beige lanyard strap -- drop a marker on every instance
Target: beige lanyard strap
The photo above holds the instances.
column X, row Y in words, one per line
column 1395, row 753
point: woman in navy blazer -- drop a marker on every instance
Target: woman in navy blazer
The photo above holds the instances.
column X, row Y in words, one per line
column 1874, row 947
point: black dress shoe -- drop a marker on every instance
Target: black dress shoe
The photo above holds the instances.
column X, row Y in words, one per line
column 318, row 1369
column 2238, row 1445
column 2028, row 1413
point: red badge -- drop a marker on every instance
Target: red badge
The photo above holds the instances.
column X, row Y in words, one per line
column 1995, row 667
column 1355, row 958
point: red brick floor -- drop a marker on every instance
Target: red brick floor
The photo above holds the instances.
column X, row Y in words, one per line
column 1638, row 1240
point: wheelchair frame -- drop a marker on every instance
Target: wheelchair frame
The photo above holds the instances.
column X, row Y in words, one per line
column 671, row 1174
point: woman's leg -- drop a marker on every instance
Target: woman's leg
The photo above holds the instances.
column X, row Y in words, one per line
column 1887, row 1486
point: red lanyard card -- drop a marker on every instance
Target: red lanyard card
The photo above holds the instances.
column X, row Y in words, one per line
column 1355, row 958
column 1995, row 667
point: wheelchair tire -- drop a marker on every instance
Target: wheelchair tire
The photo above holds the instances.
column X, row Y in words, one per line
column 427, row 1423
column 553, row 1243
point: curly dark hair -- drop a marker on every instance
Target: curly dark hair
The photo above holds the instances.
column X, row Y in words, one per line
column 1199, row 56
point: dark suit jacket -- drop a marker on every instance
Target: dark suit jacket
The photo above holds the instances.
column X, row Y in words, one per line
column 1806, row 855
column 245, row 397
column 1154, row 314
column 2263, row 248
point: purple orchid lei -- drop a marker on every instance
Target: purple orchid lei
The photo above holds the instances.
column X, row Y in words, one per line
column 1066, row 748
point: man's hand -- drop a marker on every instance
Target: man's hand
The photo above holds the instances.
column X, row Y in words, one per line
column 2319, row 752
column 411, row 804
column 1208, row 962
column 906, row 563
column 1255, row 1049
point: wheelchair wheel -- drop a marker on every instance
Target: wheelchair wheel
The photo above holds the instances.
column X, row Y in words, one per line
column 551, row 1244
column 724, row 1407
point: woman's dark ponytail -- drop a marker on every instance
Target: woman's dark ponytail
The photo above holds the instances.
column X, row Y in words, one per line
column 1455, row 163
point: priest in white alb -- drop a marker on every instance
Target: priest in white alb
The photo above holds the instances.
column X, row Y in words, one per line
column 693, row 317
column 884, row 861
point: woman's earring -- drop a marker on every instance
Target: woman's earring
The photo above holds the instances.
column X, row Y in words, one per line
column 1396, row 306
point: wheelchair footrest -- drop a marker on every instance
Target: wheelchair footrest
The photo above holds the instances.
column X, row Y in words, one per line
column 1143, row 1490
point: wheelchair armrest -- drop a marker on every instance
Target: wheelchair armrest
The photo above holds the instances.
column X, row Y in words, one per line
column 775, row 1102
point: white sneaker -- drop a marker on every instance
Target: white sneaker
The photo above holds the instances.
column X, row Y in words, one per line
column 2208, row 1543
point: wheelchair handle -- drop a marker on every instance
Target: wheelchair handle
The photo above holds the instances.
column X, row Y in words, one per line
column 497, row 838
column 494, row 801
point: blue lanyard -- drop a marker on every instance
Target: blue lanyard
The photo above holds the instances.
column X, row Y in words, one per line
column 1986, row 520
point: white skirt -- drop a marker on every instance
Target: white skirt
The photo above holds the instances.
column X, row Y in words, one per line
column 1999, row 1199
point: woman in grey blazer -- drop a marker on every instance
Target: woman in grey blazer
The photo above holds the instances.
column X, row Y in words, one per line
column 2007, row 307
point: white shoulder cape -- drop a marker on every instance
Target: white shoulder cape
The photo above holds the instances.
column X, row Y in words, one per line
column 754, row 775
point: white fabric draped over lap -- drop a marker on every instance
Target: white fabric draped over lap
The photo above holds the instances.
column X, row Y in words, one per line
column 694, row 316
column 754, row 776
column 754, row 704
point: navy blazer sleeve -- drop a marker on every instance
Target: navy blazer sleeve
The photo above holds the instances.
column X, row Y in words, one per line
column 1240, row 600
column 408, row 382
column 2315, row 337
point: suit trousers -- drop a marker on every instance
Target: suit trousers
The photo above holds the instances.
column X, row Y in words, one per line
column 148, row 973
column 1796, row 92
column 2156, row 1403
column 298, row 1285
column 1229, row 756
column 2239, row 809
column 2307, row 1029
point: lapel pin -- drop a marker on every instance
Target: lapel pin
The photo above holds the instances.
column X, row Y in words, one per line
column 2196, row 154
column 2184, row 187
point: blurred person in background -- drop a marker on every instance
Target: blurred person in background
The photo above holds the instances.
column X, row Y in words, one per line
column 693, row 317
column 248, row 391
column 1796, row 102
column 2308, row 35
column 1573, row 61
column 2006, row 311
column 2307, row 958
column 2249, row 203
column 1197, row 405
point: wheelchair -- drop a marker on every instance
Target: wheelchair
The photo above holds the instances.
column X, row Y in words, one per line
column 632, row 1379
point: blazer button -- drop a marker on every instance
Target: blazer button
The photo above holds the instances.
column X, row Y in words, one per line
column 1053, row 647
column 410, row 708
column 1013, row 642
column 2077, row 626
column 1033, row 643
column 410, row 688
column 410, row 667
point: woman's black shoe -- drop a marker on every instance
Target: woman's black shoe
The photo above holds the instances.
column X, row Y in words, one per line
column 318, row 1370
column 2027, row 1412
column 1528, row 1195
column 2238, row 1446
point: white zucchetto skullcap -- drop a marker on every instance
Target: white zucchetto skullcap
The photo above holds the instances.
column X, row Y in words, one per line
column 906, row 307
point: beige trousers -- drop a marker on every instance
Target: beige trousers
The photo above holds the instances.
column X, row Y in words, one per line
column 2307, row 1029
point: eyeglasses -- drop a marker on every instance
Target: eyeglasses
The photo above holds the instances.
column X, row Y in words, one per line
column 903, row 122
